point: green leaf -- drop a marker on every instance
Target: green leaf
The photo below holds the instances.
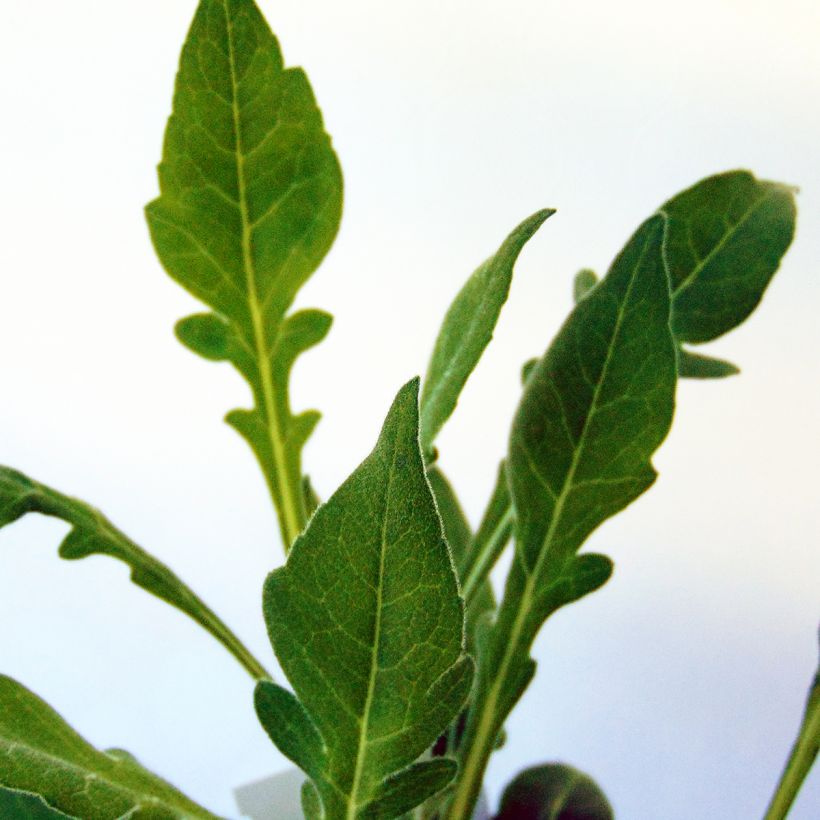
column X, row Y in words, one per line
column 18, row 805
column 695, row 366
column 468, row 328
column 42, row 754
column 594, row 410
column 725, row 238
column 250, row 202
column 367, row 623
column 93, row 534
column 585, row 280
column 596, row 407
column 554, row 791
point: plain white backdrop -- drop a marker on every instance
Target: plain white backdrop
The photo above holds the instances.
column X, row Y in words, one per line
column 680, row 685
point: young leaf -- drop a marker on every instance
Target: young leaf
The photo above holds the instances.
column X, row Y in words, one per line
column 468, row 328
column 594, row 410
column 42, row 754
column 93, row 534
column 250, row 203
column 26, row 806
column 367, row 624
column 725, row 238
column 554, row 791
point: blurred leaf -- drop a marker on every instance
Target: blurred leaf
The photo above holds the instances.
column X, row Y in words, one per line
column 554, row 791
column 696, row 366
column 594, row 410
column 585, row 280
column 725, row 238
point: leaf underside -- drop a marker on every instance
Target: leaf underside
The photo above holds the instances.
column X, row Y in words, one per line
column 367, row 624
column 40, row 753
column 250, row 202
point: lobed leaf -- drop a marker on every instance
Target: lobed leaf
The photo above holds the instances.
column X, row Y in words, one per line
column 368, row 626
column 93, row 534
column 595, row 408
column 467, row 330
column 250, row 202
column 41, row 754
column 554, row 791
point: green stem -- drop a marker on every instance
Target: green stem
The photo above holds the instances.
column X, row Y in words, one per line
column 803, row 755
column 485, row 557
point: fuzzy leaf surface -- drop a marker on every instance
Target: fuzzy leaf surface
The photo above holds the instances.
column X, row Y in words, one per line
column 725, row 238
column 42, row 754
column 468, row 328
column 27, row 806
column 368, row 626
column 250, row 202
column 594, row 409
column 554, row 791
column 93, row 534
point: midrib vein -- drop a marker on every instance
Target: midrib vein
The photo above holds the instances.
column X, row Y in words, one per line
column 476, row 754
column 702, row 263
column 353, row 804
column 289, row 511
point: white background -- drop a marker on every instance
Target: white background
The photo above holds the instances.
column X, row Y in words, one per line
column 680, row 685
